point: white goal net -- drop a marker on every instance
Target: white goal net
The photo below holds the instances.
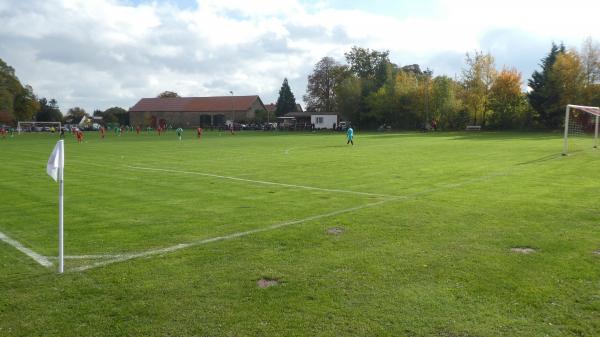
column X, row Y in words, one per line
column 581, row 128
column 38, row 127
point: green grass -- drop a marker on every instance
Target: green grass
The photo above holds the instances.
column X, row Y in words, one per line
column 427, row 254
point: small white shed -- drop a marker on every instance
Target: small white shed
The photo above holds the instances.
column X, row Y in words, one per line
column 323, row 120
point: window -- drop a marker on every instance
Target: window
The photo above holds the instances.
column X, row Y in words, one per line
column 319, row 120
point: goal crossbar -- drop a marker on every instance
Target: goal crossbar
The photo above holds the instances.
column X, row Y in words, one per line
column 593, row 110
column 20, row 124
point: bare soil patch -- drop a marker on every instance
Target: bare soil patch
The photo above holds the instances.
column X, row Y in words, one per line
column 523, row 250
column 335, row 230
column 597, row 252
column 266, row 283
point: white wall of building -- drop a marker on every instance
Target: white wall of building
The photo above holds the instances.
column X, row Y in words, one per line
column 323, row 121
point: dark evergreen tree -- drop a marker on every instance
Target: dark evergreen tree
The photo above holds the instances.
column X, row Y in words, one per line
column 49, row 111
column 543, row 96
column 286, row 101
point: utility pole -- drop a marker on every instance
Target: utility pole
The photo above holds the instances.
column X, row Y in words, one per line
column 232, row 112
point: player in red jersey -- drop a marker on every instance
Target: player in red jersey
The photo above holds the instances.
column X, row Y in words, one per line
column 199, row 131
column 79, row 136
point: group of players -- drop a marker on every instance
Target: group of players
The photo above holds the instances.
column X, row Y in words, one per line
column 119, row 130
column 79, row 135
column 6, row 131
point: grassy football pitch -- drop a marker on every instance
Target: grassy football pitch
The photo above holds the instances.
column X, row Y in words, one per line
column 403, row 234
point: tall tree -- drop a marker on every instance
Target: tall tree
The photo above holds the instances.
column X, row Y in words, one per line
column 542, row 96
column 348, row 98
column 75, row 114
column 168, row 94
column 590, row 59
column 15, row 99
column 445, row 103
column 569, row 76
column 286, row 101
column 478, row 77
column 506, row 100
column 365, row 63
column 322, row 83
column 116, row 114
column 49, row 111
column 26, row 104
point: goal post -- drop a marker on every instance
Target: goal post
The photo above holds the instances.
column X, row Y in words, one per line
column 579, row 121
column 22, row 125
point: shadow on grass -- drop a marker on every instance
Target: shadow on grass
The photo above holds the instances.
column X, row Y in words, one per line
column 505, row 135
column 541, row 159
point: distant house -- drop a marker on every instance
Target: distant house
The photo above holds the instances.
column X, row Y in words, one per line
column 320, row 120
column 271, row 107
column 195, row 111
column 324, row 120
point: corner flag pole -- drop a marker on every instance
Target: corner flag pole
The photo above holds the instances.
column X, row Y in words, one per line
column 56, row 169
column 61, row 169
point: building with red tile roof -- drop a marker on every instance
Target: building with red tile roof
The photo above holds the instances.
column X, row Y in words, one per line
column 191, row 112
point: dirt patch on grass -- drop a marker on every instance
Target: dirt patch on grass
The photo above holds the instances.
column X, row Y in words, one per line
column 522, row 250
column 597, row 252
column 267, row 282
column 335, row 230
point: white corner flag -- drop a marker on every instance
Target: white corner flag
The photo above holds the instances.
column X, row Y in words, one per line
column 53, row 161
column 55, row 169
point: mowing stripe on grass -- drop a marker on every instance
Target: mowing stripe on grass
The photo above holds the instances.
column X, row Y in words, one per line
column 125, row 257
column 35, row 256
column 180, row 246
column 261, row 181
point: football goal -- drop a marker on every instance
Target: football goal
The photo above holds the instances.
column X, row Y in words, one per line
column 37, row 126
column 581, row 128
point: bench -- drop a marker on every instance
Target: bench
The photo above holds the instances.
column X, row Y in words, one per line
column 473, row 128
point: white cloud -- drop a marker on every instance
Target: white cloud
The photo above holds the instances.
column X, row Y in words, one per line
column 98, row 54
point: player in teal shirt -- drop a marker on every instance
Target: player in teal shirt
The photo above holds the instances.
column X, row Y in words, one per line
column 350, row 135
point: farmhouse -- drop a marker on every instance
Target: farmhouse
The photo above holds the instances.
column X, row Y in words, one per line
column 190, row 112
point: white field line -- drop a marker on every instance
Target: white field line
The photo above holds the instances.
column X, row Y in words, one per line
column 261, row 181
column 180, row 246
column 287, row 151
column 37, row 257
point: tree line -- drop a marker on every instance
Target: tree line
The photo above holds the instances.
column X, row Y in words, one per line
column 369, row 90
column 18, row 102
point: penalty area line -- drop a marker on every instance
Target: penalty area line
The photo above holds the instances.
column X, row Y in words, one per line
column 261, row 181
column 42, row 260
column 180, row 246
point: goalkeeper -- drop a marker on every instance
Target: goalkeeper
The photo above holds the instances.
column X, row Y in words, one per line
column 179, row 132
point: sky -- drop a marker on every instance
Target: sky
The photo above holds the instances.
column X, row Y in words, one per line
column 99, row 54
